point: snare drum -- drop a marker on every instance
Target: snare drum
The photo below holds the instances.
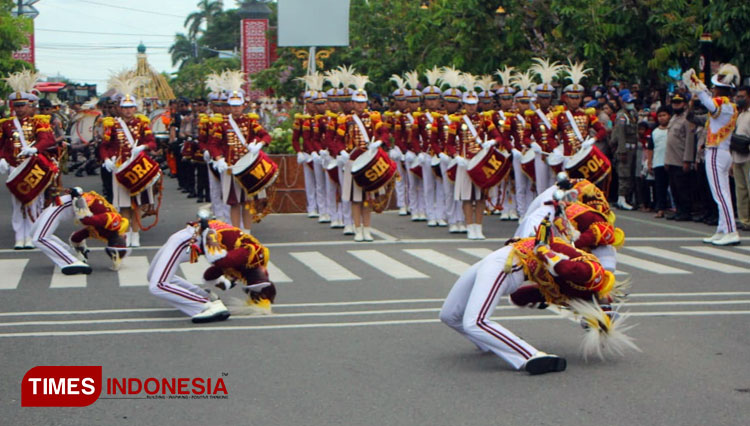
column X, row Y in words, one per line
column 588, row 163
column 332, row 168
column 489, row 167
column 527, row 165
column 31, row 178
column 254, row 172
column 435, row 165
column 138, row 173
column 555, row 159
column 373, row 169
column 416, row 168
column 450, row 172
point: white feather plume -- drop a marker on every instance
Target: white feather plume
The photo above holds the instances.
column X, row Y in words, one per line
column 576, row 72
column 359, row 81
column 468, row 81
column 485, row 82
column 412, row 79
column 233, row 80
column 451, row 76
column 728, row 74
column 604, row 337
column 400, row 83
column 523, row 81
column 317, row 79
column 545, row 70
column 505, row 75
column 214, row 83
column 23, row 81
column 333, row 77
column 346, row 74
column 433, row 76
column 125, row 82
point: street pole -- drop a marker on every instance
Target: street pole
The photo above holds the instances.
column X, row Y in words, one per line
column 706, row 44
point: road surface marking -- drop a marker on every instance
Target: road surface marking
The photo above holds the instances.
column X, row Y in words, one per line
column 324, row 266
column 476, row 252
column 656, row 268
column 387, row 264
column 690, row 260
column 723, row 254
column 60, row 280
column 440, row 260
column 133, row 271
column 277, row 275
column 12, row 271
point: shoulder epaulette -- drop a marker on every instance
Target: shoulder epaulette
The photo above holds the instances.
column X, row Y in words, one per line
column 590, row 111
column 42, row 118
column 143, row 118
column 108, row 121
column 253, row 115
column 375, row 115
column 529, row 113
column 331, row 114
column 455, row 118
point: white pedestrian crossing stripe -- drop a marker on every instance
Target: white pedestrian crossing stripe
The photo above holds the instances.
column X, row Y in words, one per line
column 721, row 253
column 387, row 264
column 646, row 265
column 324, row 266
column 133, row 271
column 60, row 280
column 11, row 270
column 440, row 260
column 690, row 260
column 277, row 275
column 476, row 252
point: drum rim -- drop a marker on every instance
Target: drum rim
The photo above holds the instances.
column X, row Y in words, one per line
column 530, row 154
column 131, row 159
column 572, row 160
column 236, row 171
column 18, row 169
column 369, row 155
column 477, row 158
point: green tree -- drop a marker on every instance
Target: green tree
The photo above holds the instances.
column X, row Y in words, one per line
column 728, row 23
column 188, row 81
column 223, row 33
column 13, row 35
column 183, row 50
column 207, row 10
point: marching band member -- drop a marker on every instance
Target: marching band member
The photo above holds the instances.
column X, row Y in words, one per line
column 325, row 191
column 359, row 132
column 540, row 122
column 412, row 159
column 344, row 95
column 100, row 220
column 468, row 132
column 308, row 151
column 561, row 275
column 183, row 246
column 451, row 98
column 124, row 138
column 228, row 142
column 722, row 121
column 22, row 136
column 426, row 137
column 517, row 129
column 329, row 108
column 393, row 119
column 218, row 97
column 506, row 190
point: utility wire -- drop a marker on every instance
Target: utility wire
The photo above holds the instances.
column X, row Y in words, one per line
column 100, row 33
column 133, row 9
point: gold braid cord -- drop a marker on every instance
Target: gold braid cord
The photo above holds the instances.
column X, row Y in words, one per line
column 148, row 209
column 380, row 198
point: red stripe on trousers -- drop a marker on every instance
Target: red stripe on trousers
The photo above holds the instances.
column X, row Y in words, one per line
column 162, row 284
column 719, row 194
column 45, row 229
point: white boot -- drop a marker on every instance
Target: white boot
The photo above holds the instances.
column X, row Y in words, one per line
column 715, row 237
column 478, row 235
column 441, row 223
column 129, row 238
column 75, row 268
column 359, row 234
column 367, row 235
column 212, row 311
column 462, row 227
column 349, row 230
column 513, row 215
column 324, row 218
column 81, row 250
column 136, row 241
column 432, row 223
column 504, row 215
column 622, row 204
column 312, row 214
column 402, row 211
column 470, row 232
column 730, row 239
column 453, row 228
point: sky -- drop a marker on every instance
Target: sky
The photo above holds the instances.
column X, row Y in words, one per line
column 87, row 40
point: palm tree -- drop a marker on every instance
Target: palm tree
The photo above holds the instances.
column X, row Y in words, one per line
column 207, row 9
column 182, row 50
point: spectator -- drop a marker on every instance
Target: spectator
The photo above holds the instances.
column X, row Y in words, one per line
column 678, row 159
column 644, row 175
column 741, row 160
column 707, row 211
column 623, row 143
column 657, row 147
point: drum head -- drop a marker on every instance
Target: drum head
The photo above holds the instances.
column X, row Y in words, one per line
column 476, row 159
column 527, row 156
column 243, row 163
column 577, row 157
column 331, row 165
column 363, row 160
column 21, row 167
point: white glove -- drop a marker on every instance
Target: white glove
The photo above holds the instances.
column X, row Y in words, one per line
column 393, row 154
column 588, row 142
column 315, row 156
column 224, row 284
column 28, row 151
column 325, row 155
column 138, row 149
column 536, row 147
column 301, row 157
column 207, row 156
column 344, row 156
column 374, row 145
column 692, row 82
column 461, row 161
column 444, row 158
column 255, row 147
column 221, row 166
column 489, row 144
column 409, row 157
column 516, row 153
column 4, row 167
column 109, row 164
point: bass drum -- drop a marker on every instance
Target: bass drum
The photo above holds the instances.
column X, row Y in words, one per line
column 160, row 120
column 82, row 129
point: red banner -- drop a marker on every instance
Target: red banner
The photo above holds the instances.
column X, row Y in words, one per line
column 255, row 50
column 26, row 53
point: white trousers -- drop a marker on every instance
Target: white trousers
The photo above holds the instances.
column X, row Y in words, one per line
column 401, row 185
column 523, row 188
column 718, row 164
column 163, row 281
column 220, row 209
column 453, row 210
column 465, row 189
column 23, row 218
column 506, row 192
column 310, row 193
column 542, row 173
column 472, row 301
column 330, row 206
column 416, row 193
column 44, row 237
column 320, row 185
column 433, row 192
column 346, row 204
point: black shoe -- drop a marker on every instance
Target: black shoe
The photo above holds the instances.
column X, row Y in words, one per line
column 199, row 200
column 545, row 363
column 184, row 191
column 682, row 218
column 698, row 218
column 191, row 195
column 670, row 216
column 79, row 173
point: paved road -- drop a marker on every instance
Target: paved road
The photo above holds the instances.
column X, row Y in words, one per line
column 354, row 338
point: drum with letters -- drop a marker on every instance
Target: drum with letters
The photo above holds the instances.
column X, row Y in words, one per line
column 416, row 168
column 254, row 172
column 373, row 169
column 588, row 163
column 489, row 167
column 555, row 159
column 138, row 173
column 451, row 170
column 527, row 165
column 82, row 129
column 332, row 168
column 31, row 178
column 435, row 165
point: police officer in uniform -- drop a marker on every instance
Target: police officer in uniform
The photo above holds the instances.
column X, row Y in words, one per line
column 623, row 143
